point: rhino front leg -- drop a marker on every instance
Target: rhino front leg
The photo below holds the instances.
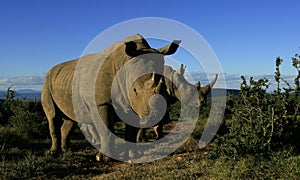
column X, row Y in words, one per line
column 141, row 136
column 131, row 134
column 158, row 129
column 107, row 115
column 66, row 129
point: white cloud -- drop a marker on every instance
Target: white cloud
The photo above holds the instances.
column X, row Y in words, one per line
column 34, row 82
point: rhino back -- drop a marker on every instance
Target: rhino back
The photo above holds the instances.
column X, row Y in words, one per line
column 59, row 81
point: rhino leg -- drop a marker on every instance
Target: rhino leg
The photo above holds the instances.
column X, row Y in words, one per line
column 141, row 136
column 107, row 114
column 158, row 131
column 54, row 127
column 53, row 120
column 130, row 135
column 66, row 129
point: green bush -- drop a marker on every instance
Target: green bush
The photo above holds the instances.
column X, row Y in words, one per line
column 25, row 116
column 263, row 122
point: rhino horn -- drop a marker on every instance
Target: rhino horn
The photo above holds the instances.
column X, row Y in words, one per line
column 158, row 89
column 206, row 89
column 153, row 76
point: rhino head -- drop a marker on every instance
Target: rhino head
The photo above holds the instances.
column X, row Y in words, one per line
column 144, row 80
column 203, row 91
column 179, row 89
column 141, row 92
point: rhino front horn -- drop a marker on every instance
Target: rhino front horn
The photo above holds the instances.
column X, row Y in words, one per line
column 153, row 76
column 158, row 89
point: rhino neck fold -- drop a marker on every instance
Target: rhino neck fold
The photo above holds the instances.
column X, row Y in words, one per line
column 171, row 86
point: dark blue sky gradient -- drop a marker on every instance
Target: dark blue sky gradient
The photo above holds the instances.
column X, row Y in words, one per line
column 246, row 36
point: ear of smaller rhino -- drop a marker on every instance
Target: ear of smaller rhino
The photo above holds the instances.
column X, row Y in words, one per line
column 197, row 85
column 170, row 49
column 181, row 70
column 206, row 89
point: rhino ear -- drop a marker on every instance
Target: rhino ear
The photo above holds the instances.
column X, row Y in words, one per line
column 131, row 48
column 170, row 49
column 181, row 70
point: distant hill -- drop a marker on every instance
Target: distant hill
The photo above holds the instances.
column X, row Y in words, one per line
column 24, row 94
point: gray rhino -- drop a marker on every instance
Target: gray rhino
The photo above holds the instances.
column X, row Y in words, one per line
column 177, row 78
column 58, row 90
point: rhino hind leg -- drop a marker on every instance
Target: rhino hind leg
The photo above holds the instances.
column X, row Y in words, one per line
column 54, row 119
column 66, row 129
column 54, row 127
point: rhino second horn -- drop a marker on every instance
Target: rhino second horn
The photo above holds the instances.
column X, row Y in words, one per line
column 159, row 86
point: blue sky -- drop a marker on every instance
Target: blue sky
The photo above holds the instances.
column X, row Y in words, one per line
column 246, row 36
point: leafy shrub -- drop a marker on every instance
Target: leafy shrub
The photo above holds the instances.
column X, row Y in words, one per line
column 262, row 122
column 28, row 118
column 25, row 117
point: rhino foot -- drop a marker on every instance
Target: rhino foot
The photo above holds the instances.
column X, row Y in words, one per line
column 102, row 158
column 65, row 149
column 53, row 153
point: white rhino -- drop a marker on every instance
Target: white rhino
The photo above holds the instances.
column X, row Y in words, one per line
column 178, row 88
column 58, row 90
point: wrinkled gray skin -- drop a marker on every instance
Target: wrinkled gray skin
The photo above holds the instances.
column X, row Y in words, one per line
column 57, row 92
column 173, row 95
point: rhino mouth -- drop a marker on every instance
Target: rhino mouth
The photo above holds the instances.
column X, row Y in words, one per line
column 152, row 119
column 158, row 108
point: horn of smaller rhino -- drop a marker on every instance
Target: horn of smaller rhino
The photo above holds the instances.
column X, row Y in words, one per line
column 159, row 86
column 206, row 89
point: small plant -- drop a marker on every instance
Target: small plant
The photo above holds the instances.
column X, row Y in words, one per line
column 6, row 106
